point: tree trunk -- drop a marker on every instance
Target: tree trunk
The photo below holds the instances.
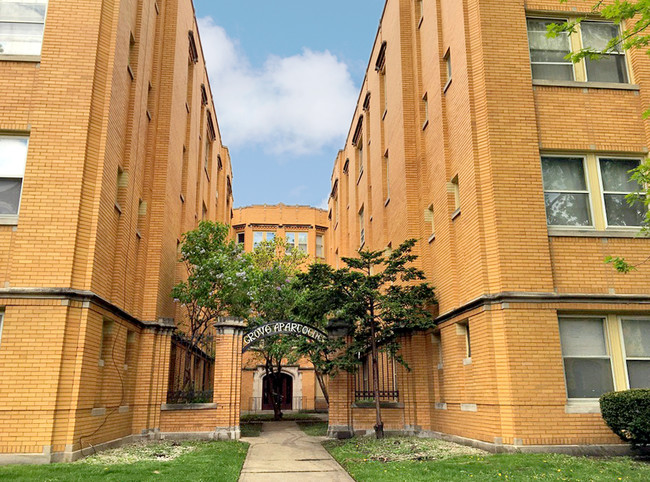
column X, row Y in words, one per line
column 379, row 427
column 321, row 382
column 276, row 396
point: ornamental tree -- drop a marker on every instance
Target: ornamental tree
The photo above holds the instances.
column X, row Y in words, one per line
column 377, row 298
column 275, row 264
column 217, row 284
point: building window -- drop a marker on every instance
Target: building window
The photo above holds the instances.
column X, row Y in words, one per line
column 447, row 59
column 428, row 218
column 297, row 241
column 570, row 182
column 13, row 157
column 106, row 344
column 208, row 156
column 462, row 328
column 455, row 190
column 2, row 319
column 362, row 229
column 587, row 362
column 616, row 183
column 636, row 340
column 241, row 237
column 320, row 247
column 566, row 193
column 610, row 66
column 21, row 26
column 547, row 54
column 386, row 178
column 261, row 236
column 425, row 106
column 360, row 155
column 437, row 343
column 303, row 242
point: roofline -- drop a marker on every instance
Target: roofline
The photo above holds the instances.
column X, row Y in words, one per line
column 280, row 205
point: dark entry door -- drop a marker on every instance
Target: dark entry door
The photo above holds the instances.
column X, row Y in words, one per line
column 286, row 392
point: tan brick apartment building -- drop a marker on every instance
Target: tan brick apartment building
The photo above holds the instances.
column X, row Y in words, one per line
column 304, row 228
column 509, row 165
column 109, row 150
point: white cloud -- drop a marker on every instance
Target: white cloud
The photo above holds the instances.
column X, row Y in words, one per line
column 294, row 105
column 323, row 204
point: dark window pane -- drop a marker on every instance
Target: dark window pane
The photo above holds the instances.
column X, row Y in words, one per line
column 607, row 68
column 639, row 373
column 16, row 11
column 563, row 174
column 620, row 213
column 10, row 195
column 596, row 35
column 636, row 334
column 616, row 174
column 21, row 38
column 552, row 71
column 566, row 209
column 588, row 377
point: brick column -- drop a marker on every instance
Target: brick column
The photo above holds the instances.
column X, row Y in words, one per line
column 227, row 376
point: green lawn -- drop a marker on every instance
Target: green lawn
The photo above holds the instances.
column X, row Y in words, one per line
column 209, row 461
column 313, row 428
column 361, row 461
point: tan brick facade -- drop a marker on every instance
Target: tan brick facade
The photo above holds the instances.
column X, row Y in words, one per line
column 455, row 163
column 119, row 115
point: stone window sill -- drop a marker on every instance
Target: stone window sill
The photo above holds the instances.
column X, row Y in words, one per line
column 585, row 85
column 582, row 406
column 20, row 58
column 8, row 220
column 557, row 231
column 187, row 406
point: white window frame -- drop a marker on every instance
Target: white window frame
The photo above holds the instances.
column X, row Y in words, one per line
column 608, row 348
column 362, row 227
column 12, row 219
column 625, row 57
column 603, row 192
column 320, row 246
column 28, row 57
column 585, row 173
column 620, row 320
column 2, row 319
column 265, row 237
column 554, row 20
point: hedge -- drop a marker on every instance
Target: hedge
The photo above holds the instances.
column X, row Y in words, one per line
column 627, row 413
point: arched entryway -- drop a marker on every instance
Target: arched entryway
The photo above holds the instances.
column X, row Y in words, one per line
column 286, row 392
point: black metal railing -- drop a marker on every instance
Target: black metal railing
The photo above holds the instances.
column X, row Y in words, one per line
column 363, row 380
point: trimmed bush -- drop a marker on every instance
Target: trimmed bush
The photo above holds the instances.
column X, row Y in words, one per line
column 627, row 413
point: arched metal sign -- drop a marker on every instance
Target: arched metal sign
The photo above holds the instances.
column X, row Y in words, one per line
column 281, row 328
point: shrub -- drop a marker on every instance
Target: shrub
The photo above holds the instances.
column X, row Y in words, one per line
column 627, row 413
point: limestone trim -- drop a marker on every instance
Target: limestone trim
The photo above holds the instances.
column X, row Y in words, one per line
column 505, row 297
column 82, row 296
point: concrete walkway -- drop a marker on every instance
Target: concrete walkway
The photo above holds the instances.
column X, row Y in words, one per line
column 285, row 453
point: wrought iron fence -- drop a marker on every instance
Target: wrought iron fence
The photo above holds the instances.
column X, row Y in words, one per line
column 363, row 380
column 191, row 371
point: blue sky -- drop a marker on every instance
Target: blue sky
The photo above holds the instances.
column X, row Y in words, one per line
column 285, row 76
